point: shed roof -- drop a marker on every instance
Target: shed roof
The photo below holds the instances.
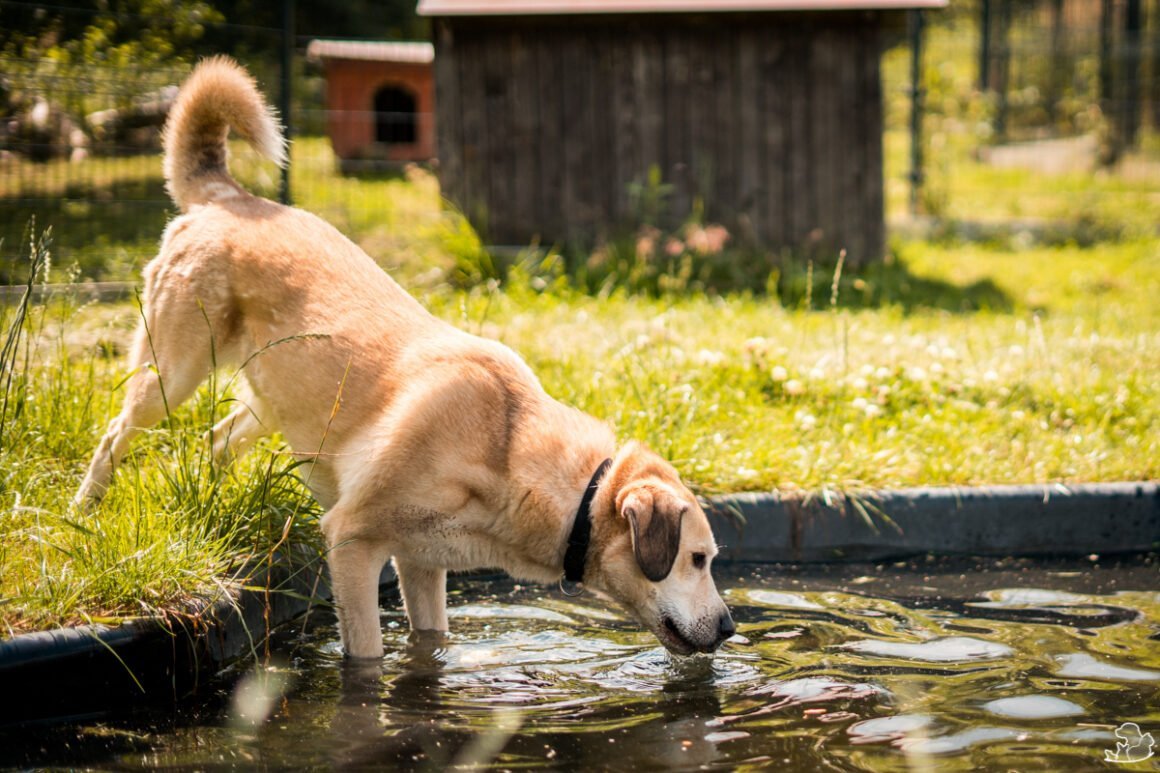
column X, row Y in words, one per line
column 591, row 7
column 405, row 52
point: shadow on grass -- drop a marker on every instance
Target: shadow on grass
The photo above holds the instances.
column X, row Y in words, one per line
column 374, row 170
column 885, row 283
column 796, row 282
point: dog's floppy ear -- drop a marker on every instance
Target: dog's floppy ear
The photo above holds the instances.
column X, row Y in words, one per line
column 656, row 530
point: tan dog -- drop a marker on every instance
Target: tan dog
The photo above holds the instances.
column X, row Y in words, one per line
column 425, row 443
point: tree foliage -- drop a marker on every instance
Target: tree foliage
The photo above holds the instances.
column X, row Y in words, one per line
column 144, row 33
column 129, row 33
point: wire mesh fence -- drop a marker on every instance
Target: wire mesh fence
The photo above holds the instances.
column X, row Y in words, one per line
column 1034, row 111
column 1040, row 116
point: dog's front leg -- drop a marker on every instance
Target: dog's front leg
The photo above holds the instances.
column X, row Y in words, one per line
column 355, row 565
column 424, row 595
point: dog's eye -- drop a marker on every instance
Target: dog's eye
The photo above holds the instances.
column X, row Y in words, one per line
column 699, row 560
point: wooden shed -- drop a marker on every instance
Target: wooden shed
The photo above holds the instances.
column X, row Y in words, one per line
column 763, row 115
column 379, row 99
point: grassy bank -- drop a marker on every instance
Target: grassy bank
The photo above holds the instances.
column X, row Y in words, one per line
column 974, row 366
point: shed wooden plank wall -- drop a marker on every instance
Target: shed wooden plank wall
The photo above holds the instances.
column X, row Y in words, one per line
column 772, row 123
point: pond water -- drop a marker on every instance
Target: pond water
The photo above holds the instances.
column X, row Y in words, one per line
column 919, row 665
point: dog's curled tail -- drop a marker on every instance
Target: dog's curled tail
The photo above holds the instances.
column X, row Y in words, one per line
column 218, row 96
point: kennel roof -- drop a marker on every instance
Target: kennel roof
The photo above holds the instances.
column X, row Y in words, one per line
column 405, row 52
column 595, row 7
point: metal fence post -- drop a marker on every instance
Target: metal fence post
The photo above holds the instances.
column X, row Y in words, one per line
column 1110, row 152
column 915, row 21
column 285, row 96
column 985, row 45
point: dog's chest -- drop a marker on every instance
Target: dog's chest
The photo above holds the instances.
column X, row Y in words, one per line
column 440, row 539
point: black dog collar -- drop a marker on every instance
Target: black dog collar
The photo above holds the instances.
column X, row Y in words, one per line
column 577, row 551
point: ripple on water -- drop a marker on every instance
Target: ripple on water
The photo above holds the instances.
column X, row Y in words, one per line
column 1033, row 707
column 781, row 599
column 1030, row 597
column 812, row 689
column 513, row 611
column 961, row 741
column 1084, row 666
column 951, row 649
column 498, row 649
column 888, row 729
column 654, row 669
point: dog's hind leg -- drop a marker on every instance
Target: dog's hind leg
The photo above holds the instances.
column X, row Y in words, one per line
column 234, row 435
column 165, row 373
column 424, row 595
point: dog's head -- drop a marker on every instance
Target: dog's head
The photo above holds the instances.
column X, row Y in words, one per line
column 652, row 551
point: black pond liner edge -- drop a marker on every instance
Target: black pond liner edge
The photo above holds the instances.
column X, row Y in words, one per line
column 1054, row 520
column 88, row 671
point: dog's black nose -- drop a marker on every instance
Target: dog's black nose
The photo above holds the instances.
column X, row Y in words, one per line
column 725, row 627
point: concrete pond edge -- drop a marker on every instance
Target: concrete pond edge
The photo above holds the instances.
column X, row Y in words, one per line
column 1024, row 520
column 148, row 661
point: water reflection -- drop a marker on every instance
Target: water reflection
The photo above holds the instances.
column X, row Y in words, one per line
column 1033, row 707
column 953, row 649
column 1081, row 664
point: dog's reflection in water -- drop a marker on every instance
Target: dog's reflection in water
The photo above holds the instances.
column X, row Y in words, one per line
column 411, row 697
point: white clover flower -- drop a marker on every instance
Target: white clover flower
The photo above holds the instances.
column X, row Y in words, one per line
column 710, row 357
